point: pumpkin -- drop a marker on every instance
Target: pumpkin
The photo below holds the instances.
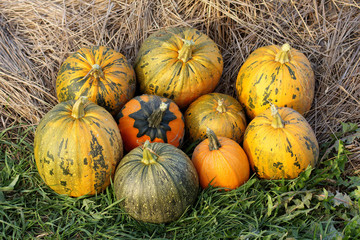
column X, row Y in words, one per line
column 280, row 144
column 178, row 63
column 153, row 118
column 157, row 182
column 221, row 112
column 280, row 75
column 220, row 162
column 77, row 146
column 99, row 73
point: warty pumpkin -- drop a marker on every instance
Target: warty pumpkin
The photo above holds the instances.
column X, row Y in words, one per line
column 153, row 118
column 77, row 146
column 221, row 162
column 157, row 182
column 99, row 73
column 280, row 75
column 280, row 144
column 222, row 113
column 178, row 63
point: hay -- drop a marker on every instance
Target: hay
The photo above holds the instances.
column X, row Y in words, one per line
column 36, row 37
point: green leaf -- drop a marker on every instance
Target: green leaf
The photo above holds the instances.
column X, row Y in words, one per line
column 349, row 127
column 11, row 186
column 356, row 193
column 270, row 205
column 354, row 181
column 2, row 197
column 306, row 199
column 342, row 198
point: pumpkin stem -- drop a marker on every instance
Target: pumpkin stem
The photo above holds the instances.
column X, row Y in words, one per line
column 214, row 143
column 78, row 108
column 156, row 116
column 96, row 71
column 186, row 50
column 220, row 107
column 277, row 122
column 149, row 157
column 284, row 55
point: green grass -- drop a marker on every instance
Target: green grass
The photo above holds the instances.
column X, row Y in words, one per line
column 320, row 204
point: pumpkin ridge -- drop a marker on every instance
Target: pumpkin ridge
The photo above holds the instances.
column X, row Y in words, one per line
column 225, row 159
column 168, row 174
column 159, row 69
column 297, row 145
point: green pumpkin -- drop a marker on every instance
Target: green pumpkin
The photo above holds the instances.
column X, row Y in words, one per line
column 157, row 182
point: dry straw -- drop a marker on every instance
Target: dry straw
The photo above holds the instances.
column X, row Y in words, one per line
column 36, row 36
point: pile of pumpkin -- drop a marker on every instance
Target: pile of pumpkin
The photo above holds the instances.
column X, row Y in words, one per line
column 79, row 144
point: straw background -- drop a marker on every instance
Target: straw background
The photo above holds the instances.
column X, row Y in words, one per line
column 36, row 36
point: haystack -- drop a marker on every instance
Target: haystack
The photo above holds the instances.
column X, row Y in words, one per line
column 36, row 36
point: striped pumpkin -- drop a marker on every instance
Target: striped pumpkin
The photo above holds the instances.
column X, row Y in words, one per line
column 77, row 146
column 280, row 144
column 178, row 63
column 221, row 112
column 99, row 73
column 280, row 75
column 157, row 182
column 153, row 118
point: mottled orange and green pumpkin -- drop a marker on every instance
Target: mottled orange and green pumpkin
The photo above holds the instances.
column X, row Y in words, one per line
column 178, row 63
column 221, row 112
column 220, row 162
column 280, row 75
column 77, row 146
column 99, row 73
column 280, row 144
column 153, row 118
column 157, row 182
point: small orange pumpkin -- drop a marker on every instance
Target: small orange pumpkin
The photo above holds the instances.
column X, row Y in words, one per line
column 280, row 144
column 221, row 112
column 220, row 162
column 153, row 118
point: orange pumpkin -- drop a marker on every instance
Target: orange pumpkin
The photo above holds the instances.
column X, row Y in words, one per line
column 221, row 112
column 99, row 73
column 281, row 75
column 220, row 162
column 280, row 144
column 153, row 118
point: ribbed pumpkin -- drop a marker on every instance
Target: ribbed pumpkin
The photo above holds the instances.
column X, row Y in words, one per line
column 77, row 146
column 280, row 144
column 221, row 162
column 178, row 63
column 280, row 75
column 157, row 182
column 99, row 73
column 153, row 118
column 221, row 112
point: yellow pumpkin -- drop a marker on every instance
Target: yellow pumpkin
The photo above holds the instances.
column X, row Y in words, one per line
column 178, row 63
column 222, row 113
column 280, row 75
column 101, row 74
column 280, row 144
column 77, row 146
